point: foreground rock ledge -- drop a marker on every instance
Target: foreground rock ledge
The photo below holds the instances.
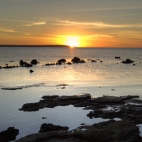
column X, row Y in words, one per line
column 127, row 108
column 111, row 131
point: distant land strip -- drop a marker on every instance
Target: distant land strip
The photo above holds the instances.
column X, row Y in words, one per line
column 34, row 46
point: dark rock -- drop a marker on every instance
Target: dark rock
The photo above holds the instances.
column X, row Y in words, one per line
column 22, row 87
column 62, row 61
column 82, row 61
column 75, row 60
column 50, row 97
column 93, row 61
column 44, row 117
column 58, row 63
column 9, row 67
column 113, row 99
column 50, row 127
column 31, row 71
column 9, row 134
column 54, row 101
column 117, row 57
column 24, row 64
column 128, row 61
column 49, row 64
column 34, row 62
column 110, row 131
column 69, row 63
column 108, row 107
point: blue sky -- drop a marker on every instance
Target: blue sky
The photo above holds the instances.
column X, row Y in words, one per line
column 96, row 23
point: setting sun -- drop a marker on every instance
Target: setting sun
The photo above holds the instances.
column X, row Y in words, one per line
column 72, row 41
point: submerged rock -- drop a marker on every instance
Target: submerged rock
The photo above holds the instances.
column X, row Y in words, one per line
column 111, row 131
column 21, row 87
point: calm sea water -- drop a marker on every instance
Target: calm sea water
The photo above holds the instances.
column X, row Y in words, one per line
column 98, row 78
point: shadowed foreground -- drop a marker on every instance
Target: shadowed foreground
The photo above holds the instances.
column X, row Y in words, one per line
column 118, row 131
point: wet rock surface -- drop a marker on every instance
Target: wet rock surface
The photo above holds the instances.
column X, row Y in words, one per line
column 127, row 108
column 9, row 134
column 111, row 131
column 55, row 100
column 50, row 127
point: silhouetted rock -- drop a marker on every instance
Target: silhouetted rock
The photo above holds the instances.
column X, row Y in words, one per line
column 9, row 134
column 75, row 60
column 58, row 63
column 69, row 63
column 50, row 127
column 9, row 67
column 34, row 62
column 110, row 131
column 117, row 57
column 82, row 61
column 93, row 61
column 31, row 71
column 53, row 101
column 128, row 61
column 61, row 61
column 24, row 64
column 49, row 64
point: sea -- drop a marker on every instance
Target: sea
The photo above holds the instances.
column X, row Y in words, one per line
column 106, row 76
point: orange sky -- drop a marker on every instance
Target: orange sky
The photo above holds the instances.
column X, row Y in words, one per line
column 92, row 23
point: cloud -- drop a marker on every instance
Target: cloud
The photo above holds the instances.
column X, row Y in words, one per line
column 7, row 30
column 35, row 23
column 103, row 9
column 95, row 24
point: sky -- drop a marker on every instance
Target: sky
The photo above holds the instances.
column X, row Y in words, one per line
column 83, row 23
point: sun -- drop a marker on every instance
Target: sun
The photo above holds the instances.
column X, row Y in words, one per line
column 72, row 41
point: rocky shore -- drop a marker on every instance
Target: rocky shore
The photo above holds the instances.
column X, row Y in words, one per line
column 127, row 108
column 111, row 131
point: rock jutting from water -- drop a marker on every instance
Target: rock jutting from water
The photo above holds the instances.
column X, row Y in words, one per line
column 127, row 61
column 111, row 131
column 127, row 108
column 9, row 134
column 108, row 107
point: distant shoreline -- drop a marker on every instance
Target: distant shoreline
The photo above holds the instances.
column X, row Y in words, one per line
column 67, row 46
column 34, row 46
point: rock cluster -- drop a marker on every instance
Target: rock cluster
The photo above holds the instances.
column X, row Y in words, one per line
column 106, row 106
column 111, row 131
